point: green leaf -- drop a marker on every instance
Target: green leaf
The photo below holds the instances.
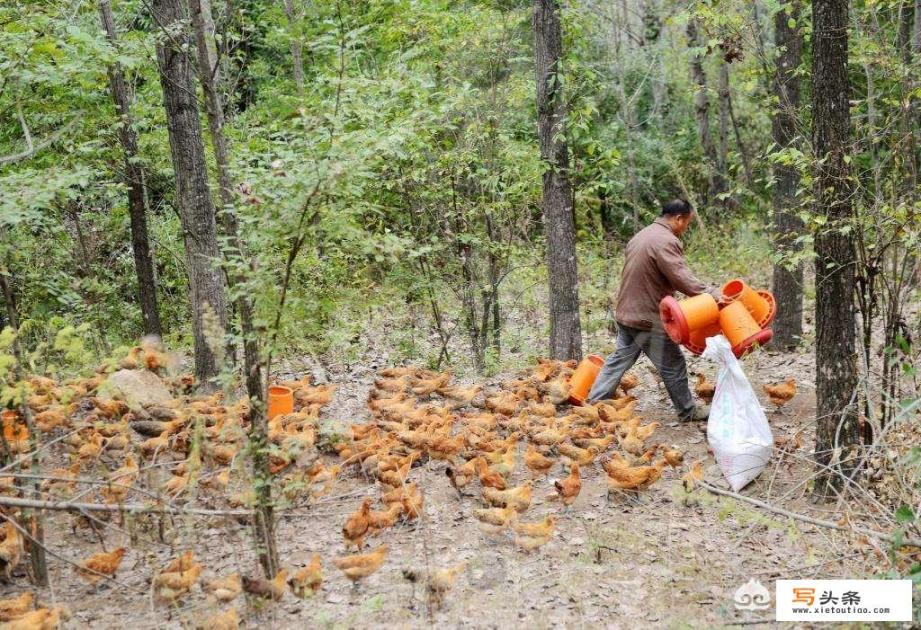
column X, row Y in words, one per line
column 904, row 515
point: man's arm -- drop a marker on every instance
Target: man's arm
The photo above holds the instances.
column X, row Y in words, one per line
column 673, row 266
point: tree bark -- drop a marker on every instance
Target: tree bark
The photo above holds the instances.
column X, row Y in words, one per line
column 135, row 179
column 264, row 516
column 837, row 429
column 716, row 184
column 788, row 282
column 559, row 226
column 296, row 55
column 196, row 208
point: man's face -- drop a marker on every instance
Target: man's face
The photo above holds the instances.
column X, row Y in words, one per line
column 684, row 222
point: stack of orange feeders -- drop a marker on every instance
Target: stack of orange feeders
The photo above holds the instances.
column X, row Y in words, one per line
column 743, row 316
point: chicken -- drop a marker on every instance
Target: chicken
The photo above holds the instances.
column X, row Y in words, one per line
column 381, row 520
column 361, row 565
column 171, row 585
column 694, row 474
column 543, row 533
column 308, row 579
column 227, row 620
column 558, row 389
column 569, row 487
column 50, row 418
column 267, row 589
column 16, row 606
column 629, row 381
column 224, row 589
column 183, row 562
column 460, row 476
column 440, row 582
column 356, row 527
column 505, row 403
column 622, row 476
column 673, row 456
column 494, row 520
column 123, row 478
column 461, row 395
column 704, row 388
column 539, row 529
column 518, row 498
column 781, row 393
column 41, row 619
column 537, row 462
column 581, row 456
column 65, row 477
column 101, row 565
column 10, row 550
column 107, row 408
column 489, row 478
column 633, row 442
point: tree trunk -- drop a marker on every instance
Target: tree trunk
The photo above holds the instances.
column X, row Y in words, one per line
column 788, row 282
column 193, row 194
column 264, row 519
column 296, row 56
column 722, row 92
column 716, row 184
column 559, row 227
column 837, row 429
column 135, row 179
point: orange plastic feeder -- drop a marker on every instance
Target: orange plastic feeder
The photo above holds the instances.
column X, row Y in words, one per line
column 698, row 340
column 741, row 329
column 682, row 319
column 766, row 319
column 580, row 383
column 281, row 400
column 13, row 430
column 758, row 305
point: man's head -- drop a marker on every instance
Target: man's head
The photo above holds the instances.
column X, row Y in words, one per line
column 679, row 214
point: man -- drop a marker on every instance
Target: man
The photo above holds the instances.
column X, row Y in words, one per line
column 654, row 267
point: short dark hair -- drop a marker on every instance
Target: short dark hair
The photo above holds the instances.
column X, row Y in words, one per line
column 676, row 206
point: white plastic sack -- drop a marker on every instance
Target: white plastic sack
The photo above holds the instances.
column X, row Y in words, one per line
column 737, row 430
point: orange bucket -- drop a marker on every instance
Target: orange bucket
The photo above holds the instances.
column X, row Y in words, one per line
column 698, row 340
column 682, row 319
column 757, row 304
column 741, row 329
column 281, row 400
column 580, row 383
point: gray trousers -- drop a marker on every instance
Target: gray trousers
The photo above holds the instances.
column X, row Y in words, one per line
column 664, row 354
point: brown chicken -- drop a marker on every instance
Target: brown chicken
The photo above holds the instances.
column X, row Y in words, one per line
column 10, row 550
column 704, row 388
column 227, row 620
column 224, row 589
column 629, row 381
column 489, row 478
column 16, row 606
column 581, row 456
column 781, row 393
column 461, row 395
column 518, row 498
column 537, row 462
column 171, row 585
column 361, row 565
column 41, row 619
column 101, row 565
column 494, row 520
column 426, row 386
column 694, row 474
column 441, row 581
column 568, row 488
column 673, row 456
column 356, row 527
column 530, row 536
column 123, row 479
column 267, row 589
column 308, row 579
column 622, row 476
column 460, row 476
column 378, row 521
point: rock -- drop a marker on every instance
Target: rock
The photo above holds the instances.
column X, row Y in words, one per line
column 331, row 432
column 149, row 428
column 138, row 388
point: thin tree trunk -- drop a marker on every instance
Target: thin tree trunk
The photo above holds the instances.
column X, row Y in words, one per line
column 559, row 227
column 196, row 208
column 135, row 179
column 788, row 281
column 716, row 185
column 264, row 517
column 296, row 55
column 722, row 92
column 837, row 429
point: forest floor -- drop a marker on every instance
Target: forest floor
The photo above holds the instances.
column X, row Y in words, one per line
column 669, row 560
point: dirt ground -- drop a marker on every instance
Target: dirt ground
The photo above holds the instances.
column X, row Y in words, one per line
column 668, row 560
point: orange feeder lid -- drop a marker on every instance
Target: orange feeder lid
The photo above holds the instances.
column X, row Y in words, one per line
column 674, row 321
column 769, row 318
column 762, row 337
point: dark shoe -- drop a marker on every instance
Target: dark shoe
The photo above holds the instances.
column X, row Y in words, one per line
column 699, row 414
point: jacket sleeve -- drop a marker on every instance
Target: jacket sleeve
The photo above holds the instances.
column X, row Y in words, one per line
column 673, row 266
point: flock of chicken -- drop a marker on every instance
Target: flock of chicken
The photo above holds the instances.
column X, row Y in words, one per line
column 481, row 440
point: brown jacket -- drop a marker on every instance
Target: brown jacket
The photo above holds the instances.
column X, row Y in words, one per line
column 654, row 267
